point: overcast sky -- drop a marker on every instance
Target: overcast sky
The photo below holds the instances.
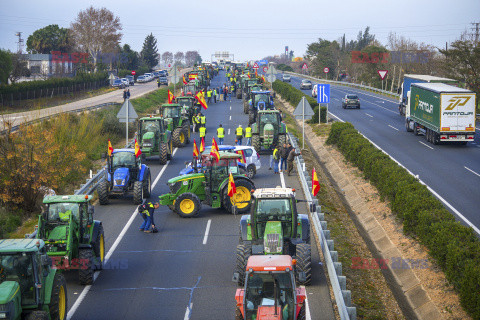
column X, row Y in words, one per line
column 250, row 29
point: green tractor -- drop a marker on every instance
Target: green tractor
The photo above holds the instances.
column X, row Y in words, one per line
column 274, row 227
column 178, row 122
column 190, row 104
column 241, row 79
column 73, row 240
column 259, row 100
column 210, row 187
column 154, row 138
column 250, row 85
column 190, row 89
column 30, row 288
column 268, row 131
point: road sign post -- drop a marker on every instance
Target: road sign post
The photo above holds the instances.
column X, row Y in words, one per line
column 323, row 96
column 326, row 70
column 382, row 74
column 305, row 112
column 127, row 114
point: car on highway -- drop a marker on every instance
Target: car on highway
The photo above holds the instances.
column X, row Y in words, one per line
column 163, row 80
column 306, row 84
column 351, row 101
column 131, row 80
column 126, row 82
column 142, row 79
column 286, row 78
column 118, row 83
column 314, row 90
column 149, row 76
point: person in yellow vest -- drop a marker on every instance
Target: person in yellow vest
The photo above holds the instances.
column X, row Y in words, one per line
column 196, row 122
column 248, row 135
column 202, row 131
column 220, row 134
column 209, row 95
column 239, row 134
column 203, row 120
column 276, row 159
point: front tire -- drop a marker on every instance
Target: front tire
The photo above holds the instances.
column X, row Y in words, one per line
column 251, row 117
column 58, row 302
column 99, row 248
column 163, row 153
column 102, row 191
column 304, row 263
column 242, row 197
column 85, row 273
column 187, row 205
column 138, row 192
column 251, row 171
column 256, row 142
column 178, row 138
column 147, row 185
column 243, row 253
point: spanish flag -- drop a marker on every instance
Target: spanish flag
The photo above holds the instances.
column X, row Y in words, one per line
column 195, row 149
column 202, row 145
column 171, row 97
column 201, row 100
column 138, row 152
column 110, row 148
column 214, row 151
column 242, row 153
column 263, row 78
column 256, row 74
column 315, row 183
column 231, row 186
column 248, row 74
column 184, row 81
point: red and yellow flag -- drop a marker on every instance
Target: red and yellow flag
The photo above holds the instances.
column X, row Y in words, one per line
column 315, row 183
column 242, row 153
column 202, row 145
column 171, row 97
column 195, row 149
column 110, row 148
column 138, row 152
column 214, row 151
column 184, row 81
column 263, row 78
column 256, row 74
column 201, row 99
column 231, row 186
column 248, row 74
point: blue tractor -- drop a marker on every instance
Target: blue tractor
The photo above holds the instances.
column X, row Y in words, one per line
column 125, row 174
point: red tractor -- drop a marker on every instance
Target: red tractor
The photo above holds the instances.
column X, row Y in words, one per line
column 270, row 291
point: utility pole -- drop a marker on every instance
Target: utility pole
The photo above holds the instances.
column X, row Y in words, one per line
column 477, row 31
column 20, row 42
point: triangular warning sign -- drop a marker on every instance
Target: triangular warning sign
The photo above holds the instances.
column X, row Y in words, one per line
column 382, row 73
column 122, row 114
column 255, row 66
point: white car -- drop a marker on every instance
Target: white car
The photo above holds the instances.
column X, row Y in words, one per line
column 126, row 82
column 141, row 79
column 252, row 159
column 150, row 76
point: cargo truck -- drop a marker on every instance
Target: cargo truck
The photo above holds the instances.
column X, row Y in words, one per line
column 441, row 112
column 408, row 79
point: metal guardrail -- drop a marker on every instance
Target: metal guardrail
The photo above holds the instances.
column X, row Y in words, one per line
column 343, row 297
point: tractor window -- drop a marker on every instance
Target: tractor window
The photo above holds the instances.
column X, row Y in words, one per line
column 274, row 210
column 123, row 159
column 171, row 112
column 19, row 268
column 263, row 289
column 150, row 126
column 61, row 211
column 268, row 118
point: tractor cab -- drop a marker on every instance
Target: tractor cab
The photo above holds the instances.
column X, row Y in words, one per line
column 150, row 130
column 268, row 122
column 171, row 113
column 123, row 167
column 262, row 100
column 270, row 290
column 177, row 121
column 216, row 172
column 190, row 89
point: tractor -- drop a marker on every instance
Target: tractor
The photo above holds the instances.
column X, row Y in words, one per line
column 30, row 288
column 270, row 291
column 190, row 89
column 154, row 138
column 178, row 122
column 274, row 227
column 210, row 187
column 268, row 131
column 190, row 105
column 260, row 100
column 73, row 240
column 241, row 83
column 250, row 85
column 125, row 174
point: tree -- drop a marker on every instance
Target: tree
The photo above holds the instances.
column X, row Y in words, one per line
column 192, row 57
column 19, row 67
column 364, row 39
column 179, row 56
column 323, row 53
column 96, row 31
column 149, row 53
column 5, row 66
column 48, row 39
column 128, row 58
column 167, row 57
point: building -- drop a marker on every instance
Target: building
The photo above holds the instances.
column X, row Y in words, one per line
column 42, row 65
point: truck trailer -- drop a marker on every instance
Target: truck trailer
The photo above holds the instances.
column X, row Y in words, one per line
column 408, row 79
column 441, row 112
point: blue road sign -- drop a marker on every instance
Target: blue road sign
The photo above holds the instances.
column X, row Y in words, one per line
column 323, row 93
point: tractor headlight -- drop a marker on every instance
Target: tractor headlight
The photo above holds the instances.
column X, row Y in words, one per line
column 147, row 145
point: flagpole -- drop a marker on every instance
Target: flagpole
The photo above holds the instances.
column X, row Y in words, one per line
column 126, row 124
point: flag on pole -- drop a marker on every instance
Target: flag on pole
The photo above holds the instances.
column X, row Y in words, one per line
column 138, row 152
column 171, row 97
column 315, row 183
column 110, row 148
column 195, row 149
column 201, row 100
column 214, row 151
column 231, row 186
column 263, row 78
column 202, row 145
column 184, row 81
column 242, row 153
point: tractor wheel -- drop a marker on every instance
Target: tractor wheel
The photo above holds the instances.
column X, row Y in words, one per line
column 38, row 315
column 99, row 248
column 251, row 118
column 85, row 273
column 169, row 155
column 102, row 191
column 147, row 185
column 304, row 263
column 178, row 138
column 138, row 192
column 238, row 314
column 244, row 251
column 256, row 143
column 187, row 205
column 302, row 313
column 282, row 139
column 251, row 171
column 242, row 197
column 245, row 107
column 163, row 153
column 58, row 302
column 187, row 131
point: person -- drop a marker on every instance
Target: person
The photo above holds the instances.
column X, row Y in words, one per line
column 203, row 120
column 248, row 135
column 214, row 95
column 146, row 211
column 230, row 92
column 291, row 156
column 202, row 131
column 209, row 95
column 196, row 122
column 128, row 93
column 225, row 91
column 158, row 82
column 239, row 133
column 124, row 94
column 220, row 134
column 283, row 157
column 276, row 158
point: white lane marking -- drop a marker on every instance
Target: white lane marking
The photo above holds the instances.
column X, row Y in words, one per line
column 207, row 230
column 85, row 290
column 229, row 131
column 426, row 145
column 369, row 115
column 393, row 127
column 282, row 179
column 230, row 118
column 472, row 171
column 188, row 312
column 307, row 307
column 230, row 107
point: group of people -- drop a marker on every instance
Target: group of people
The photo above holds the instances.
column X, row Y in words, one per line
column 126, row 94
column 283, row 155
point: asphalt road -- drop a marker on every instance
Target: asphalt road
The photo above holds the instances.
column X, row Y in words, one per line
column 185, row 270
column 451, row 171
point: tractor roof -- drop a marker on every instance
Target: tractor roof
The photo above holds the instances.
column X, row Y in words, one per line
column 185, row 98
column 20, row 245
column 226, row 155
column 151, row 117
column 274, row 193
column 124, row 150
column 70, row 198
column 170, row 105
column 261, row 92
column 269, row 263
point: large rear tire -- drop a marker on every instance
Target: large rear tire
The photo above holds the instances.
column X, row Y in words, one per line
column 187, row 205
column 102, row 191
column 251, row 117
column 138, row 192
column 256, row 142
column 99, row 249
column 147, row 185
column 178, row 138
column 242, row 197
column 245, row 106
column 304, row 263
column 163, row 153
column 58, row 302
column 187, row 131
column 85, row 273
column 282, row 138
column 244, row 251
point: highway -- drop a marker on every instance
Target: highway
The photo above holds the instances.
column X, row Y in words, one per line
column 452, row 171
column 185, row 270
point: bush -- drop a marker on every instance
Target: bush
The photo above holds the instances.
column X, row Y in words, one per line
column 454, row 247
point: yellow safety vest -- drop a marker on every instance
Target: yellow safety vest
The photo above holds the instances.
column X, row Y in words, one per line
column 196, row 119
column 248, row 132
column 275, row 154
column 209, row 93
column 202, row 131
column 239, row 131
column 203, row 120
column 221, row 132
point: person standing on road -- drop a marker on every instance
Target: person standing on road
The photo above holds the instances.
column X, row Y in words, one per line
column 283, row 157
column 220, row 134
column 128, row 93
column 209, row 95
column 225, row 91
column 239, row 134
column 214, row 95
column 196, row 122
column 124, row 94
column 291, row 156
column 202, row 131
column 146, row 211
column 203, row 120
column 276, row 159
column 248, row 135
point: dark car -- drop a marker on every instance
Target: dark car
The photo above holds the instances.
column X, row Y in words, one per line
column 351, row 101
column 163, row 80
column 306, row 84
